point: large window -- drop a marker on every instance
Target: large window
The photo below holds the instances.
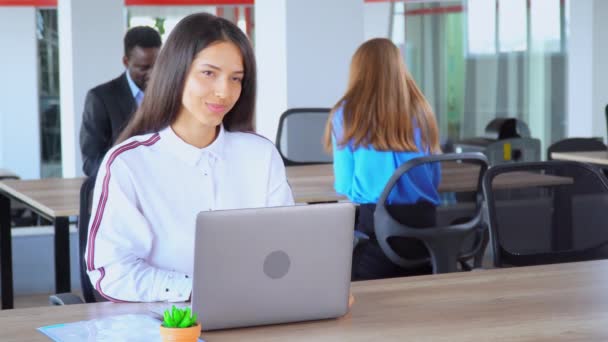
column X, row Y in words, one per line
column 546, row 28
column 164, row 18
column 48, row 66
column 481, row 23
column 512, row 25
column 476, row 60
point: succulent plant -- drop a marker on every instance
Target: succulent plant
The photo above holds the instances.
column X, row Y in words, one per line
column 179, row 318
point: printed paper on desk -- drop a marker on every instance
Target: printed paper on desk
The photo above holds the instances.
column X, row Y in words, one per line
column 131, row 328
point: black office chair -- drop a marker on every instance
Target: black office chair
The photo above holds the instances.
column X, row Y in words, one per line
column 558, row 215
column 89, row 294
column 576, row 145
column 458, row 233
column 300, row 136
column 7, row 174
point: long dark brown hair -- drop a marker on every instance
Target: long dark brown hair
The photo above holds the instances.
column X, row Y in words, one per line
column 163, row 98
column 383, row 105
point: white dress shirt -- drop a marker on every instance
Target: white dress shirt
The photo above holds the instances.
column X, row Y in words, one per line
column 148, row 192
column 138, row 94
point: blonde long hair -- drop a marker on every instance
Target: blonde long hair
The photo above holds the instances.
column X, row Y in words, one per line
column 383, row 104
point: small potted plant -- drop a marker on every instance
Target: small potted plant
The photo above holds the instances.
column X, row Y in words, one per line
column 179, row 325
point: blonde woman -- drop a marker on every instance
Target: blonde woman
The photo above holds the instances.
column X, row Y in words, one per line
column 381, row 122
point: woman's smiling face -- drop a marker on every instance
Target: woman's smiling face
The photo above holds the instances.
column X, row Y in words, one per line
column 213, row 84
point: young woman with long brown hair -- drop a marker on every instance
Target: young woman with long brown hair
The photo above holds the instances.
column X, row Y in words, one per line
column 188, row 148
column 382, row 121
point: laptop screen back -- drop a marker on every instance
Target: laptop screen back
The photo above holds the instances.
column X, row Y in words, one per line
column 272, row 265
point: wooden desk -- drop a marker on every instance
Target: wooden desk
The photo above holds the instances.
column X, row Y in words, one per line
column 54, row 199
column 597, row 157
column 58, row 198
column 315, row 183
column 565, row 302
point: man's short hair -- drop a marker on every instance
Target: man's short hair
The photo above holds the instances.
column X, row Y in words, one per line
column 142, row 36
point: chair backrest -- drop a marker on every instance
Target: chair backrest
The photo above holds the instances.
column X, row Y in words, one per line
column 458, row 215
column 576, row 145
column 89, row 293
column 7, row 174
column 557, row 213
column 300, row 136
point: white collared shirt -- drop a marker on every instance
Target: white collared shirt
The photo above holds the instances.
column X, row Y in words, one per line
column 148, row 192
column 138, row 94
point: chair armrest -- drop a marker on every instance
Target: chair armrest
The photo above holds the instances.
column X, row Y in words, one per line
column 65, row 299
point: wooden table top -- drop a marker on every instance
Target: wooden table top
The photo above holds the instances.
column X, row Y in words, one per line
column 565, row 302
column 596, row 157
column 315, row 183
column 54, row 197
column 59, row 197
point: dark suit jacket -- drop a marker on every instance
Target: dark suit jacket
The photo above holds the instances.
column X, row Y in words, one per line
column 107, row 110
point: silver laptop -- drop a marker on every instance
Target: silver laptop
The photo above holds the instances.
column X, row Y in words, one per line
column 272, row 265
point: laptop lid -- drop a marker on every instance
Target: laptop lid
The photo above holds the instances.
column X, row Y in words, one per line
column 272, row 265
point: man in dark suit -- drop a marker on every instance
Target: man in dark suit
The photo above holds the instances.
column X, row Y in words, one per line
column 109, row 106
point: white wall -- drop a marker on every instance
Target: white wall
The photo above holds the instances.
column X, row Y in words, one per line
column 376, row 17
column 271, row 54
column 90, row 53
column 319, row 50
column 303, row 50
column 19, row 107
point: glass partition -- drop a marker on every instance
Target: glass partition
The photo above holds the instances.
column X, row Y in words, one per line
column 476, row 60
column 48, row 76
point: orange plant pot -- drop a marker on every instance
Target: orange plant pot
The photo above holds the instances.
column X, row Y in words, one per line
column 180, row 334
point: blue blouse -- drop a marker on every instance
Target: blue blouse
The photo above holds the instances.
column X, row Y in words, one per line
column 361, row 174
